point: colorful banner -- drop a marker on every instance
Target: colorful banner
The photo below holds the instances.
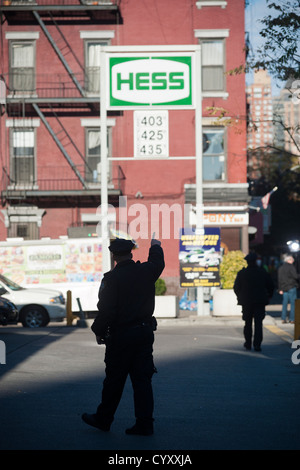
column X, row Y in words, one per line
column 199, row 257
column 73, row 260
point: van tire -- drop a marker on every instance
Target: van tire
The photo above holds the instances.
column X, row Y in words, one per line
column 34, row 316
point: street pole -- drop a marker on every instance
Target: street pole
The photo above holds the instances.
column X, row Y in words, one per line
column 104, row 189
column 199, row 176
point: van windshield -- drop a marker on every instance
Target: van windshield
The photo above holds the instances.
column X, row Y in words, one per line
column 11, row 284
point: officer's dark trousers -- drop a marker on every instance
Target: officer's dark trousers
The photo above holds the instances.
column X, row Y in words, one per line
column 254, row 312
column 128, row 353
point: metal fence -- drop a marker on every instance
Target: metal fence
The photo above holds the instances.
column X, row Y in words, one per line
column 53, row 178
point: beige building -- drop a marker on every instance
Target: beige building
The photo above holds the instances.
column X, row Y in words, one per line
column 260, row 113
column 287, row 116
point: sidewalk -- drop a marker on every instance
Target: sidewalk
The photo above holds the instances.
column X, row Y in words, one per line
column 273, row 314
column 272, row 321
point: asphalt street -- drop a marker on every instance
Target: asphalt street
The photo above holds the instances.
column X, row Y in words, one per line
column 210, row 393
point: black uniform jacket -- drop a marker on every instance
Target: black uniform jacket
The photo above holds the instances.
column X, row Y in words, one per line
column 253, row 285
column 127, row 293
column 287, row 277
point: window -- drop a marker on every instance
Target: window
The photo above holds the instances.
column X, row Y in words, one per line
column 213, row 61
column 93, row 153
column 213, row 65
column 211, row 3
column 93, row 40
column 92, row 65
column 22, row 230
column 23, row 165
column 213, row 155
column 22, row 66
column 26, row 230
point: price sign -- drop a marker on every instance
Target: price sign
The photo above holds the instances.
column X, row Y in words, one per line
column 151, row 134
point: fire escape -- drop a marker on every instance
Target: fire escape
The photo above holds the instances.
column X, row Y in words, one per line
column 56, row 97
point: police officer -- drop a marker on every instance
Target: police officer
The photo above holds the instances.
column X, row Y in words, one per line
column 125, row 323
column 253, row 287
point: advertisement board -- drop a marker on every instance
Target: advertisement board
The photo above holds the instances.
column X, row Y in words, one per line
column 150, row 80
column 68, row 261
column 199, row 257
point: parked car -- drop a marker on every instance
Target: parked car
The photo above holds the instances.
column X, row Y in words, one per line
column 9, row 313
column 37, row 306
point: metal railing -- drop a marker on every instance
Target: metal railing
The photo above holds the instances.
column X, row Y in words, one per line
column 59, row 179
column 49, row 85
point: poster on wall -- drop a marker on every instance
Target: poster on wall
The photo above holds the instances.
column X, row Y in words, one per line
column 73, row 260
column 199, row 257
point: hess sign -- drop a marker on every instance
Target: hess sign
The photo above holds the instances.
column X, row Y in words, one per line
column 156, row 80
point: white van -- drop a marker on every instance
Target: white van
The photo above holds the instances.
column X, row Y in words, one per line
column 37, row 306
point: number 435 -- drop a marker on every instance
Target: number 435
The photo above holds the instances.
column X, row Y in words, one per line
column 151, row 149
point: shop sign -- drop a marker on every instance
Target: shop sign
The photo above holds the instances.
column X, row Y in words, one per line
column 156, row 80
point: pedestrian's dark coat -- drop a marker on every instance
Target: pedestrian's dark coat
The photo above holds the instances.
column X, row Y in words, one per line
column 253, row 285
column 287, row 277
column 127, row 293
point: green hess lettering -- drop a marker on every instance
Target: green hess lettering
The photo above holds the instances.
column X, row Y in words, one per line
column 151, row 81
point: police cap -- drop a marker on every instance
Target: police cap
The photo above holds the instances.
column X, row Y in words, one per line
column 120, row 246
column 251, row 257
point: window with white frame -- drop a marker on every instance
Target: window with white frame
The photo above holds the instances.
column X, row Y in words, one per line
column 22, row 66
column 93, row 153
column 23, row 156
column 213, row 154
column 213, row 42
column 26, row 230
column 93, row 40
column 213, row 77
column 92, row 65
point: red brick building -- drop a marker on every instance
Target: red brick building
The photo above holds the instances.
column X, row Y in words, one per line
column 50, row 119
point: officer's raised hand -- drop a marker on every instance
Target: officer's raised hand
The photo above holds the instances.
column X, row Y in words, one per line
column 154, row 241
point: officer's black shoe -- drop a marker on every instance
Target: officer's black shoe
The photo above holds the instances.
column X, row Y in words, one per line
column 257, row 348
column 247, row 346
column 140, row 429
column 92, row 420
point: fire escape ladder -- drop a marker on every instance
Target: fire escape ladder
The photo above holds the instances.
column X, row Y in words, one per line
column 59, row 144
column 65, row 136
column 58, row 52
column 65, row 47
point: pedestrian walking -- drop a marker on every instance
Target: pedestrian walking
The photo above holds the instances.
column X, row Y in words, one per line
column 288, row 282
column 125, row 324
column 253, row 287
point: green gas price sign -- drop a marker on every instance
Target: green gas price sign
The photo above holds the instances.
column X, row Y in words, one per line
column 144, row 81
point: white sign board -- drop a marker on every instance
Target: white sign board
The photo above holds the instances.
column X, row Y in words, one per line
column 151, row 133
column 161, row 80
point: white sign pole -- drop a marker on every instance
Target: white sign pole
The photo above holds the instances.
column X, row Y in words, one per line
column 104, row 190
column 199, row 176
